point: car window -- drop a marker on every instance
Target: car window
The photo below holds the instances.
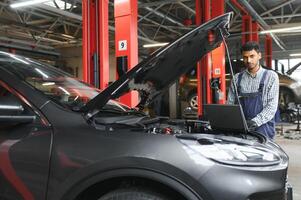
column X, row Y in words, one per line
column 52, row 82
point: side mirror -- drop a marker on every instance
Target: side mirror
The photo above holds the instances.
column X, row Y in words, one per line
column 13, row 114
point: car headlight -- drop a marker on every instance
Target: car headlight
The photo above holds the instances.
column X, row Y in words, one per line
column 236, row 154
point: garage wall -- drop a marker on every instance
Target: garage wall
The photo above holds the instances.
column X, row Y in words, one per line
column 71, row 61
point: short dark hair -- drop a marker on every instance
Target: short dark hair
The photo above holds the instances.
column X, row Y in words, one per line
column 249, row 46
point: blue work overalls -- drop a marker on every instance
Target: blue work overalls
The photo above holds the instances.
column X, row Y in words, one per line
column 252, row 105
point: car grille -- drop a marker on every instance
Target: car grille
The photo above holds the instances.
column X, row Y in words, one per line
column 273, row 195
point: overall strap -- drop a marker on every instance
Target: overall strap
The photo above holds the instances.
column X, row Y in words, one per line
column 261, row 84
column 238, row 82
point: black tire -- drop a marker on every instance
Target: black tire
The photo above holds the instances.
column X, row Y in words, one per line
column 193, row 101
column 286, row 117
column 285, row 97
column 133, row 194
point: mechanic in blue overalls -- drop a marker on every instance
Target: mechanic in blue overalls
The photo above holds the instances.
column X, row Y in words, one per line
column 258, row 90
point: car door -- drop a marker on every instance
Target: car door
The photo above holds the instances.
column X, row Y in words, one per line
column 25, row 140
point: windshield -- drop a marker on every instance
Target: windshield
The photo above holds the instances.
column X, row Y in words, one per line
column 54, row 83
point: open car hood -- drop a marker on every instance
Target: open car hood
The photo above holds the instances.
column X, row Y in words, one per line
column 162, row 68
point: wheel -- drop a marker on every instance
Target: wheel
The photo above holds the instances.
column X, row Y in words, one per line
column 285, row 97
column 133, row 194
column 286, row 117
column 193, row 101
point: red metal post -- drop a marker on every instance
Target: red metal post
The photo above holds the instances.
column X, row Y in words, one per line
column 89, row 33
column 246, row 28
column 126, row 39
column 218, row 55
column 268, row 51
column 103, row 42
column 198, row 21
column 95, row 42
column 204, row 66
column 255, row 28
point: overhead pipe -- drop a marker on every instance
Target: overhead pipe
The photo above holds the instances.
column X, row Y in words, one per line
column 236, row 4
column 258, row 18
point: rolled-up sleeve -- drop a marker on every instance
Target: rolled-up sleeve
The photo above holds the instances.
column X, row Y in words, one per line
column 270, row 105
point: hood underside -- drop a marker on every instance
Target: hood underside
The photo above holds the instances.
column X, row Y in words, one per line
column 162, row 68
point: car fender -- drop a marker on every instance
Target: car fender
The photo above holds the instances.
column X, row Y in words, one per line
column 133, row 167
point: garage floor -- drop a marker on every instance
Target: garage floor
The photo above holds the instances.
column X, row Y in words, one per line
column 293, row 148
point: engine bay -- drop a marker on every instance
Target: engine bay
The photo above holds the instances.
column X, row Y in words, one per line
column 166, row 126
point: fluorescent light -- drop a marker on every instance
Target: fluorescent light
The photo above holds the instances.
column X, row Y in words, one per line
column 279, row 30
column 295, row 54
column 155, row 45
column 27, row 3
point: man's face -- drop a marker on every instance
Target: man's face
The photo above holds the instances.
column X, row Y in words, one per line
column 251, row 59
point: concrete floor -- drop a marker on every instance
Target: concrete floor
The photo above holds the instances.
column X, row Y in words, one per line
column 293, row 149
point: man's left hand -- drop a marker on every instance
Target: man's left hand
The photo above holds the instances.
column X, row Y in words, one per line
column 251, row 125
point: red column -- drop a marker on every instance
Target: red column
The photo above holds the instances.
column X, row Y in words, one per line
column 204, row 66
column 218, row 55
column 103, row 42
column 268, row 51
column 95, row 42
column 88, row 14
column 246, row 28
column 255, row 28
column 126, row 40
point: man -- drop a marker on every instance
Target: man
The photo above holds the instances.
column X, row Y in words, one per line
column 258, row 91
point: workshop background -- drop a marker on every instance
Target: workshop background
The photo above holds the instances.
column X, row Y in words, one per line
column 97, row 41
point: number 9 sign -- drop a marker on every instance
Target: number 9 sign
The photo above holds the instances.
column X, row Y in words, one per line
column 122, row 45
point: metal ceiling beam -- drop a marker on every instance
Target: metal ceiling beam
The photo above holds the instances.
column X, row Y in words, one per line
column 79, row 18
column 15, row 46
column 192, row 11
column 60, row 12
column 160, row 14
column 13, row 40
column 277, row 7
column 156, row 3
column 165, row 27
column 293, row 13
column 284, row 16
column 265, row 9
column 264, row 25
column 149, row 13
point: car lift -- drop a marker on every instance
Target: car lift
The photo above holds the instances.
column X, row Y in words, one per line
column 211, row 78
column 96, row 42
column 126, row 42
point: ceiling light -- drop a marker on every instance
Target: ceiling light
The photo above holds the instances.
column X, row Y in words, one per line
column 295, row 54
column 279, row 30
column 155, row 45
column 27, row 3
